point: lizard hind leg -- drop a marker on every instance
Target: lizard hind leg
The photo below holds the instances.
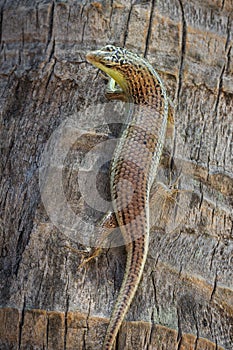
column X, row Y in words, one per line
column 105, row 228
column 165, row 202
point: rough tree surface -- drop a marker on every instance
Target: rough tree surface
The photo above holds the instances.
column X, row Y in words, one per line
column 185, row 298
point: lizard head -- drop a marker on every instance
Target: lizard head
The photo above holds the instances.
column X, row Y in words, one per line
column 117, row 62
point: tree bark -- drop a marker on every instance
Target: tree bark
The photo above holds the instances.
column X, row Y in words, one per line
column 55, row 147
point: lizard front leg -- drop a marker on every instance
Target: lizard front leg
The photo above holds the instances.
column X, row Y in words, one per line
column 114, row 91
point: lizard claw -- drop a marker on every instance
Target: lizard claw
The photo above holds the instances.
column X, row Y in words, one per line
column 92, row 255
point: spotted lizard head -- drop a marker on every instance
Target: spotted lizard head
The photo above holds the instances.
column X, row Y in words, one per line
column 136, row 77
column 119, row 63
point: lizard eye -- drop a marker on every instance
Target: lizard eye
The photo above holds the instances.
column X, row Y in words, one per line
column 109, row 48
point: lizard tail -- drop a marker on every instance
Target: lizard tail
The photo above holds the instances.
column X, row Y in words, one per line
column 136, row 257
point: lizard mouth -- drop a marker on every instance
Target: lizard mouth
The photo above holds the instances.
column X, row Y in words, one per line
column 98, row 58
column 102, row 60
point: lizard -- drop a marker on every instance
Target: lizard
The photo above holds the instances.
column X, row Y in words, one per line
column 135, row 161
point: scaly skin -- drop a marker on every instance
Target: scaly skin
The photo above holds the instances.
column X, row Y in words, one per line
column 134, row 164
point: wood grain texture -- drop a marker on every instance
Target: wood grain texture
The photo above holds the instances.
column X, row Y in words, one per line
column 185, row 299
